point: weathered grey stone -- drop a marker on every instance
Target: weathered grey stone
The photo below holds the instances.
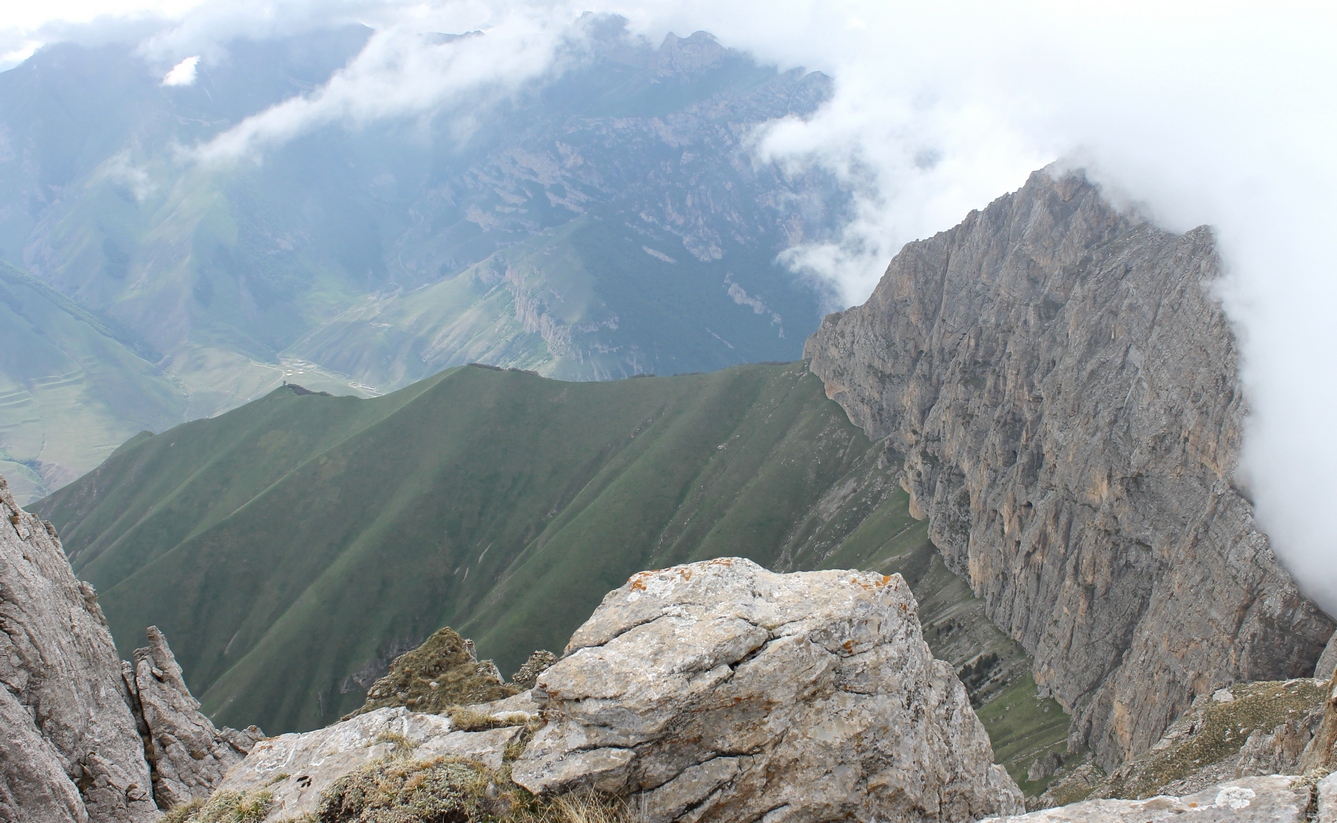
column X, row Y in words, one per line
column 1327, row 662
column 1327, row 799
column 64, row 703
column 1058, row 387
column 1275, row 799
column 721, row 691
column 187, row 755
column 296, row 768
column 1321, row 753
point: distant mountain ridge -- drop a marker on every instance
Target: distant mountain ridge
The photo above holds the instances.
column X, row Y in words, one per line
column 605, row 222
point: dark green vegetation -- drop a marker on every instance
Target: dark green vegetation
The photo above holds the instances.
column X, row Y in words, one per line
column 293, row 547
column 438, row 675
column 600, row 223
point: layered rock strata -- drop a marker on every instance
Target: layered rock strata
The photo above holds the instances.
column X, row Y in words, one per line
column 720, row 691
column 84, row 737
column 1058, row 388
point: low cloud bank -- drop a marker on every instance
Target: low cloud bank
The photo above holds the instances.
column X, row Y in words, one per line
column 1192, row 112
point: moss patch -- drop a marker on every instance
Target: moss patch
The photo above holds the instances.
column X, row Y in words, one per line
column 440, row 674
column 223, row 807
column 453, row 790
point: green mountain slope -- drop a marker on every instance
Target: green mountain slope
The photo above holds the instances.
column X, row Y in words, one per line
column 72, row 387
column 292, row 547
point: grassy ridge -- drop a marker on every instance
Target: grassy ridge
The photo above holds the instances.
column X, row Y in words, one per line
column 293, row 546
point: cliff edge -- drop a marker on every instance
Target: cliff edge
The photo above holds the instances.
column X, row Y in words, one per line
column 1058, row 388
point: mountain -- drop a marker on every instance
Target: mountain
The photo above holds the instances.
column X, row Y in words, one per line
column 89, row 738
column 73, row 386
column 603, row 222
column 1059, row 386
column 294, row 546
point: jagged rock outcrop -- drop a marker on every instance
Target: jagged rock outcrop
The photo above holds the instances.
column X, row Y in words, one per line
column 720, row 691
column 1247, row 730
column 294, row 769
column 86, row 737
column 1058, row 388
column 528, row 674
column 71, row 749
column 1274, row 799
column 187, row 755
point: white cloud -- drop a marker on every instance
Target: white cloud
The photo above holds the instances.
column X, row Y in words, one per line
column 183, row 73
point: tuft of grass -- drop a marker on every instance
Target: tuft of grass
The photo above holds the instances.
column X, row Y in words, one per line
column 441, row 673
column 454, row 789
column 223, row 807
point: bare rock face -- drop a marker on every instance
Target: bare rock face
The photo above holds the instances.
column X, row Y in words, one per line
column 1274, row 799
column 71, row 751
column 295, row 768
column 719, row 691
column 1327, row 662
column 1058, row 389
column 187, row 755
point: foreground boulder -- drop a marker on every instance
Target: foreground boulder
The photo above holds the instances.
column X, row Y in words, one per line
column 720, row 691
column 1274, row 799
column 84, row 737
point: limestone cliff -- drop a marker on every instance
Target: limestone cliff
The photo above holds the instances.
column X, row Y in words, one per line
column 81, row 738
column 1058, row 388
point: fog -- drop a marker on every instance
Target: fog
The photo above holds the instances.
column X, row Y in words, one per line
column 1202, row 113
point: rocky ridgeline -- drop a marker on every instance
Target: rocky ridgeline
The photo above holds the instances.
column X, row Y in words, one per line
column 715, row 691
column 85, row 736
column 1058, row 391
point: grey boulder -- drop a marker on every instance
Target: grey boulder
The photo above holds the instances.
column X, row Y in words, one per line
column 720, row 691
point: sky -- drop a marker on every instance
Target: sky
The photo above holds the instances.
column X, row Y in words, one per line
column 1197, row 113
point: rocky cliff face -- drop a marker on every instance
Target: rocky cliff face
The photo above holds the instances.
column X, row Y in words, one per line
column 1058, row 388
column 82, row 738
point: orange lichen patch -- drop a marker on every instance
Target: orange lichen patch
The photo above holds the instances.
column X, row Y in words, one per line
column 886, row 580
column 637, row 586
column 722, row 561
column 685, row 572
column 848, row 646
column 905, row 607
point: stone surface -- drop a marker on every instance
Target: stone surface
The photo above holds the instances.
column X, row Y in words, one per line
column 1327, row 799
column 1327, row 662
column 1248, row 730
column 1321, row 753
column 720, row 691
column 63, row 703
column 187, row 755
column 296, row 768
column 1058, row 391
column 1275, row 799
